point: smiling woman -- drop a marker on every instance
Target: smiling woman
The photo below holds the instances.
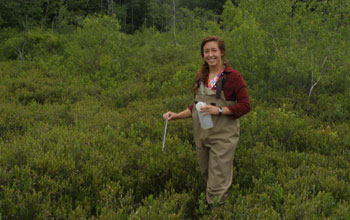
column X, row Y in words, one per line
column 225, row 94
column 212, row 55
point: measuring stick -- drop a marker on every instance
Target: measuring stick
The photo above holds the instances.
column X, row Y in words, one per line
column 166, row 126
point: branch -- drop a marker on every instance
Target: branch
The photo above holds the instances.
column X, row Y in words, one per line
column 274, row 43
column 319, row 77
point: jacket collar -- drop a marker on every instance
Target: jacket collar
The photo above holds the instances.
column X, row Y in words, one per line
column 228, row 68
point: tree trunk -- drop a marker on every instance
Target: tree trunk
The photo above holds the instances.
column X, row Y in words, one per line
column 46, row 12
column 174, row 18
column 112, row 9
column 313, row 84
column 132, row 18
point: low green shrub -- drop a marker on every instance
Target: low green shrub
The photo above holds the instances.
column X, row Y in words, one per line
column 288, row 131
column 169, row 205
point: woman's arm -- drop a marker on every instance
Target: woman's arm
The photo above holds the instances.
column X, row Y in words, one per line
column 214, row 110
column 182, row 115
column 236, row 88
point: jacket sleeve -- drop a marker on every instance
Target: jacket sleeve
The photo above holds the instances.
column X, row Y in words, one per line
column 240, row 92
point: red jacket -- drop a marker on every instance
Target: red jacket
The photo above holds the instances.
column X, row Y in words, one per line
column 234, row 89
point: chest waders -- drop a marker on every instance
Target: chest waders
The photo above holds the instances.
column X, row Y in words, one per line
column 216, row 146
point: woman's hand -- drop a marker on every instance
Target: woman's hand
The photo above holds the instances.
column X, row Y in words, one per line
column 209, row 110
column 171, row 116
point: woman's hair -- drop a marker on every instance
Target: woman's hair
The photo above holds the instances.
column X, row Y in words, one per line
column 204, row 71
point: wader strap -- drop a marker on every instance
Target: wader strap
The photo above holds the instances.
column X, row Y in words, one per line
column 220, row 86
column 196, row 82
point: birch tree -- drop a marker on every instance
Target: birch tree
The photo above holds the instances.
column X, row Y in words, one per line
column 174, row 22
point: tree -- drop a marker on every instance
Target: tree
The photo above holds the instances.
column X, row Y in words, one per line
column 174, row 20
column 21, row 13
column 245, row 42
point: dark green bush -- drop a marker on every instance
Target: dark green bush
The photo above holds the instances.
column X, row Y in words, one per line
column 30, row 44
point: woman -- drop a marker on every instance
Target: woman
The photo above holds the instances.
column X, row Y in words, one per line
column 225, row 94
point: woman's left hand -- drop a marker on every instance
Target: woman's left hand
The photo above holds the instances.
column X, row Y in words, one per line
column 209, row 110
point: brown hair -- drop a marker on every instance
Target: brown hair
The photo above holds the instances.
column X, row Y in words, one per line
column 203, row 73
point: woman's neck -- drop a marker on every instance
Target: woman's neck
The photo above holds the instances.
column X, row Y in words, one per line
column 215, row 69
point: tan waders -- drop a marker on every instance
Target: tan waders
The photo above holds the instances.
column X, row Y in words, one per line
column 215, row 146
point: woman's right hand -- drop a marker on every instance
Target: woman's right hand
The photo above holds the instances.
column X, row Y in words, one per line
column 171, row 116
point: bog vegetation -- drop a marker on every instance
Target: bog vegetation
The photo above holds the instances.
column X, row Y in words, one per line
column 83, row 87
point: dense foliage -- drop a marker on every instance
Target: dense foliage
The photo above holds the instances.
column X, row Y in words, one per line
column 132, row 14
column 80, row 113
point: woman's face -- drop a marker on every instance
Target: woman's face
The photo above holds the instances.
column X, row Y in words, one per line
column 212, row 54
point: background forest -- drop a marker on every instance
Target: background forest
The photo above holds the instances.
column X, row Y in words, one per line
column 84, row 85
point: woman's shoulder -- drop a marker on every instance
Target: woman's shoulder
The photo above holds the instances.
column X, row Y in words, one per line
column 231, row 73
